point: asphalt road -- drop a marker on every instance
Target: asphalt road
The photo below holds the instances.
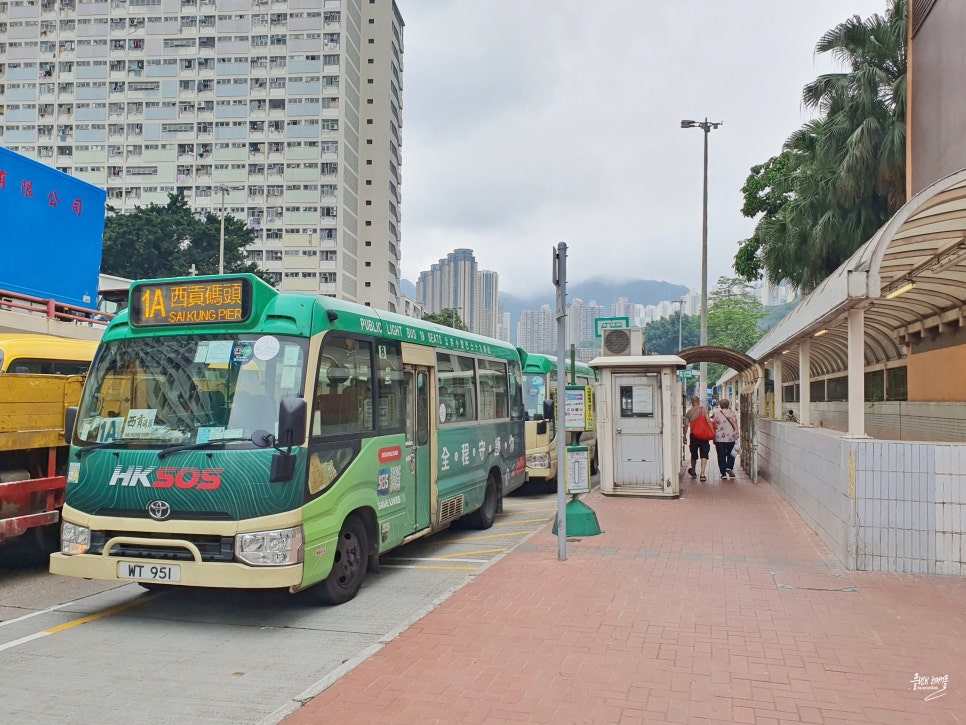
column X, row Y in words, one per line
column 79, row 651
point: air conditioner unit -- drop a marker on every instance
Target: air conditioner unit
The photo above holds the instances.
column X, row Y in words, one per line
column 622, row 342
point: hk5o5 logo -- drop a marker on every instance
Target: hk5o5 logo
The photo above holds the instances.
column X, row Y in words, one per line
column 202, row 479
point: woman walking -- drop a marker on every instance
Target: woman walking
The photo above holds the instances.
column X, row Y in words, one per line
column 725, row 437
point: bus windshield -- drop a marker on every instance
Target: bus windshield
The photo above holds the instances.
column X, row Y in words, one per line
column 534, row 393
column 183, row 389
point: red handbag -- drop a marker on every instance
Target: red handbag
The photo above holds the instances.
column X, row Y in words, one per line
column 702, row 428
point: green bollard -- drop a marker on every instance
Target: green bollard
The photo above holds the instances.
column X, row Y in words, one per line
column 581, row 520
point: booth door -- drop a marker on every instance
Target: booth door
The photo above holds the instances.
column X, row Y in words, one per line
column 637, row 430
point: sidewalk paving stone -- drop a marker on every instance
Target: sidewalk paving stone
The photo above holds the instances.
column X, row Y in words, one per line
column 721, row 606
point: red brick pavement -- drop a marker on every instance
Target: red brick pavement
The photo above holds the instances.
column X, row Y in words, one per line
column 719, row 607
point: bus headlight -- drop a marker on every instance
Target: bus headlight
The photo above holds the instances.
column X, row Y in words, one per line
column 74, row 539
column 538, row 460
column 270, row 548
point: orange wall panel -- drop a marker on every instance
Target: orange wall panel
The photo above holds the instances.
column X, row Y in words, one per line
column 937, row 375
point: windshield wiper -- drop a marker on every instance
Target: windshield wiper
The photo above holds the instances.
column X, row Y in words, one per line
column 196, row 446
column 106, row 444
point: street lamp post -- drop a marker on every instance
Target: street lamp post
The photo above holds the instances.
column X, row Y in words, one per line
column 221, row 237
column 705, row 126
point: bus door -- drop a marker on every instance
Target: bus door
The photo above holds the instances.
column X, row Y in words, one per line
column 418, row 458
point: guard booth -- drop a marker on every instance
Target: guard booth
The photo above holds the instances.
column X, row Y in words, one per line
column 639, row 421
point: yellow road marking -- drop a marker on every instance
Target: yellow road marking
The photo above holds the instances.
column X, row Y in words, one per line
column 480, row 538
column 100, row 615
column 74, row 623
column 524, row 521
column 470, row 553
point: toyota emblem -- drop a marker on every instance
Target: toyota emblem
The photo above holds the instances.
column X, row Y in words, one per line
column 159, row 510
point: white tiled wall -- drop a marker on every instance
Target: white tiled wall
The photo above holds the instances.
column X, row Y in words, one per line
column 908, row 513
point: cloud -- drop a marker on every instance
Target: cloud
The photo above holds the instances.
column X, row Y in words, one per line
column 530, row 123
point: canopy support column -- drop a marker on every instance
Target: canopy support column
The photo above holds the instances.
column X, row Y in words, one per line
column 777, row 364
column 856, row 358
column 805, row 381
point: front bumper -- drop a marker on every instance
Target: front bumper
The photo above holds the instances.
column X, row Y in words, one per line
column 193, row 573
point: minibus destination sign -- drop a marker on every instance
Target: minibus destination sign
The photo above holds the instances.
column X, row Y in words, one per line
column 201, row 302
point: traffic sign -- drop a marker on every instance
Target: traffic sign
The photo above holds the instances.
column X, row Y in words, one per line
column 610, row 323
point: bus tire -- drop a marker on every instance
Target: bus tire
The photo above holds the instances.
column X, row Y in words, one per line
column 485, row 515
column 349, row 567
column 594, row 464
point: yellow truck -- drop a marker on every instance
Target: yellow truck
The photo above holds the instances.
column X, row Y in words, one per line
column 33, row 453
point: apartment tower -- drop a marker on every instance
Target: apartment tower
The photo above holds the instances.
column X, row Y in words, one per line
column 285, row 113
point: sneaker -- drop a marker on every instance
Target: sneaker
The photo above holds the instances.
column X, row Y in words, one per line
column 731, row 473
column 691, row 472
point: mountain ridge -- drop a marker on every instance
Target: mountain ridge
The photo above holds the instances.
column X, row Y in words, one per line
column 601, row 290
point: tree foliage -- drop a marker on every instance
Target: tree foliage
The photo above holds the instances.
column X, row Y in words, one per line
column 733, row 316
column 448, row 317
column 171, row 241
column 661, row 336
column 842, row 175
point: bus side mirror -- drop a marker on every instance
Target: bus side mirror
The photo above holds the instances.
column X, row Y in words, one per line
column 70, row 419
column 291, row 422
column 291, row 433
column 548, row 409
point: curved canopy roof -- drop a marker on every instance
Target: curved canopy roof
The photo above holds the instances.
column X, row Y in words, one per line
column 733, row 359
column 910, row 276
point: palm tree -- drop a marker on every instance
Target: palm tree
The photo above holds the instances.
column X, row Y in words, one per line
column 842, row 175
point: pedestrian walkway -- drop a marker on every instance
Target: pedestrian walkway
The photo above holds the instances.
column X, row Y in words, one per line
column 719, row 607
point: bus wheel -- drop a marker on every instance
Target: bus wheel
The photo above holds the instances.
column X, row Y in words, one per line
column 485, row 515
column 349, row 567
column 594, row 464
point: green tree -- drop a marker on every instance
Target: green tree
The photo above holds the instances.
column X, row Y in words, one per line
column 842, row 175
column 448, row 317
column 661, row 336
column 733, row 316
column 170, row 241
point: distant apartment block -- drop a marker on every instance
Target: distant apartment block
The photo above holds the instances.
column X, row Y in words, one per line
column 456, row 282
column 287, row 114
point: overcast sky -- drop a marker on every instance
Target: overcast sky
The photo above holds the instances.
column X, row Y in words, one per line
column 531, row 122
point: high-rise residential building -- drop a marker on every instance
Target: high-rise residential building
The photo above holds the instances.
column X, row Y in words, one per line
column 503, row 331
column 286, row 114
column 537, row 331
column 486, row 304
column 692, row 303
column 450, row 284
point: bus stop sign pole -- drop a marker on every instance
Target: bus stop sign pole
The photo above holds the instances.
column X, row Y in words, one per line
column 560, row 281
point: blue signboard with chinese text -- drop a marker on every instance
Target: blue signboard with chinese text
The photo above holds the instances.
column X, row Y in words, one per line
column 52, row 231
